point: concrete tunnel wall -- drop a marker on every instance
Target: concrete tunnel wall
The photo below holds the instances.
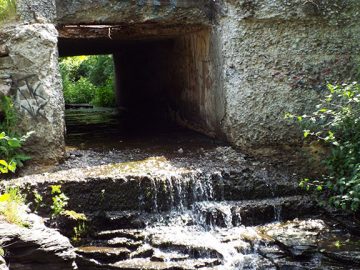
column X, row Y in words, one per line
column 233, row 68
column 162, row 79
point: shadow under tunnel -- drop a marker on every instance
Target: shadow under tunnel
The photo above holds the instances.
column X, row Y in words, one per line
column 162, row 85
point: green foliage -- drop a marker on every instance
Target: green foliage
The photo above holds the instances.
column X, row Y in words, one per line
column 80, row 91
column 38, row 199
column 88, row 79
column 105, row 95
column 59, row 200
column 7, row 9
column 80, row 231
column 8, row 115
column 11, row 156
column 336, row 123
column 12, row 206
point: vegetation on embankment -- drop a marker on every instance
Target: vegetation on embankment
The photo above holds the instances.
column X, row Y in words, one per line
column 11, row 155
column 335, row 124
column 88, row 79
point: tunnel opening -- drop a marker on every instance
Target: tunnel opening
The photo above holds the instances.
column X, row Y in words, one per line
column 164, row 79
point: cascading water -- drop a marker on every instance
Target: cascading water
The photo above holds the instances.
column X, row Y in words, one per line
column 205, row 207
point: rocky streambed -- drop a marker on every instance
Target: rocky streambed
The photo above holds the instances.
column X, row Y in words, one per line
column 180, row 201
column 211, row 209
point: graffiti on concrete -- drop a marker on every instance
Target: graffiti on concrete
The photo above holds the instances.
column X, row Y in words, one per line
column 30, row 97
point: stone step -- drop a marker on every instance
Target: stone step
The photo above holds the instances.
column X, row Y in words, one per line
column 207, row 213
column 132, row 234
column 137, row 187
column 253, row 212
column 104, row 254
column 136, row 264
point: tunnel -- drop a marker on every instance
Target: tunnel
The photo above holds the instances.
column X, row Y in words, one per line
column 161, row 77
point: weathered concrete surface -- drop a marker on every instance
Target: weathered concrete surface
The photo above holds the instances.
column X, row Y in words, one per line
column 277, row 57
column 39, row 11
column 130, row 12
column 234, row 68
column 32, row 64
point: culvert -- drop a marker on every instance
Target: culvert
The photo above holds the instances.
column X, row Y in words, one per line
column 162, row 74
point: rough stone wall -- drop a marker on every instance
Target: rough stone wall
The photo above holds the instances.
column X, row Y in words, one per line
column 131, row 12
column 29, row 72
column 277, row 58
column 253, row 61
column 193, row 69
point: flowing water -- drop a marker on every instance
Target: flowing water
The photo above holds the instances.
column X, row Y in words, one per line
column 196, row 203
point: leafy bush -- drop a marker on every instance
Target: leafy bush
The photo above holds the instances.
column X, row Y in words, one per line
column 8, row 115
column 104, row 95
column 80, row 91
column 336, row 123
column 88, row 79
column 60, row 200
column 11, row 156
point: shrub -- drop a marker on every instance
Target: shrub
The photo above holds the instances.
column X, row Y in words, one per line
column 81, row 91
column 88, row 79
column 60, row 200
column 12, row 206
column 11, row 156
column 336, row 123
column 104, row 95
column 8, row 115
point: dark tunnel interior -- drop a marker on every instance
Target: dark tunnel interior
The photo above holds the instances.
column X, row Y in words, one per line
column 159, row 82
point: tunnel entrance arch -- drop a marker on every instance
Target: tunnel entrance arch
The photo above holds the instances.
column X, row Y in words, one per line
column 164, row 73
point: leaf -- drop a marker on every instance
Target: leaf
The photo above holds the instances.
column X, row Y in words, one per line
column 55, row 189
column 12, row 166
column 5, row 197
column 3, row 163
column 14, row 143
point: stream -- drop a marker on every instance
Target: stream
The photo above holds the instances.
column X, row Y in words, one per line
column 167, row 198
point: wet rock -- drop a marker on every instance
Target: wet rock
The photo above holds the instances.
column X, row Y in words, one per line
column 3, row 265
column 85, row 263
column 341, row 247
column 252, row 212
column 297, row 239
column 135, row 235
column 345, row 257
column 37, row 247
column 214, row 213
column 104, row 254
column 119, row 220
column 165, row 257
column 144, row 251
column 124, row 242
column 185, row 244
column 136, row 264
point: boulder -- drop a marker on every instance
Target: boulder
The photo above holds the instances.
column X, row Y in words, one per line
column 36, row 247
